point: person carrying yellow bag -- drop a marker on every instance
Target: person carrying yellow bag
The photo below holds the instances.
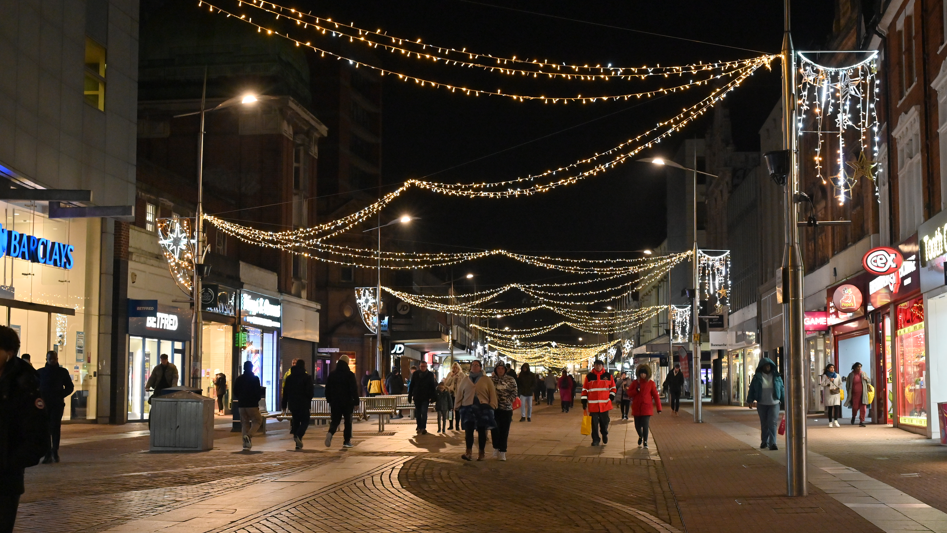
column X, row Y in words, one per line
column 586, row 425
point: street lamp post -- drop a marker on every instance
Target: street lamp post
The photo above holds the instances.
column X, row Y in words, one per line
column 695, row 302
column 378, row 355
column 199, row 252
column 450, row 336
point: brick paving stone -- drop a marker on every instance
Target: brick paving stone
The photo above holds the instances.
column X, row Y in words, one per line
column 721, row 484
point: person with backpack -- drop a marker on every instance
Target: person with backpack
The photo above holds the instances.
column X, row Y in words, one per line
column 342, row 395
column 526, row 384
column 247, row 391
column 374, row 385
column 24, row 434
column 55, row 385
column 642, row 391
column 297, row 395
column 766, row 392
column 598, row 393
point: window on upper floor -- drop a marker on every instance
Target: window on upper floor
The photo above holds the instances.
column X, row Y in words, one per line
column 347, row 274
column 910, row 202
column 221, row 243
column 94, row 86
column 151, row 216
column 906, row 48
column 300, row 182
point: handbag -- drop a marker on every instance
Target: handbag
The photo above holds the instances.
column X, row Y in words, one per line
column 871, row 394
column 586, row 425
column 517, row 403
column 782, row 425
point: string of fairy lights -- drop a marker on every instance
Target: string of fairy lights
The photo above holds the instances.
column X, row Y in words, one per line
column 835, row 94
column 751, row 64
column 382, row 39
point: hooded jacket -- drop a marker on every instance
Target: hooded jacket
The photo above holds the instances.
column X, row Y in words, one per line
column 674, row 383
column 598, row 391
column 565, row 388
column 247, row 390
column 756, row 386
column 526, row 383
column 643, row 392
column 341, row 387
column 297, row 390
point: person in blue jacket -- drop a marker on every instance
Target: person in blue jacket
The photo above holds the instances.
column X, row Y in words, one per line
column 766, row 393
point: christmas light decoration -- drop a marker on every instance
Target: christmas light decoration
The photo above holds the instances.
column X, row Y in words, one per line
column 752, row 64
column 175, row 238
column 367, row 307
column 714, row 274
column 836, row 93
column 681, row 323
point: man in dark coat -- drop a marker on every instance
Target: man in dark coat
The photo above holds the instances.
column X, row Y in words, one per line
column 674, row 384
column 247, row 391
column 19, row 392
column 395, row 385
column 297, row 394
column 55, row 384
column 422, row 390
column 342, row 395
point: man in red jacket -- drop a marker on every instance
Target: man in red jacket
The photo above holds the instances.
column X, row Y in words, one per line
column 598, row 392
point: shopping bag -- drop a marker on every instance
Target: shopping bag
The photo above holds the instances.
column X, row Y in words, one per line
column 517, row 403
column 586, row 425
column 871, row 394
column 841, row 393
column 782, row 425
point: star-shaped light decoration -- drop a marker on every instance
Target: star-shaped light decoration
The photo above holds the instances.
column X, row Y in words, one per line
column 177, row 241
column 722, row 293
column 174, row 239
column 365, row 298
column 862, row 168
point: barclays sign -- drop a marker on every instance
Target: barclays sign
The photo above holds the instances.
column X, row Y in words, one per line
column 29, row 248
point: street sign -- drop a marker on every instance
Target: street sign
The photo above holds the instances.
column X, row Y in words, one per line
column 697, row 337
column 714, row 322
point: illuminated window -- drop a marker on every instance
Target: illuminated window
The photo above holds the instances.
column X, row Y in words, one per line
column 151, row 216
column 94, row 74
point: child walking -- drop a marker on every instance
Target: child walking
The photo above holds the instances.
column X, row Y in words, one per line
column 442, row 405
column 642, row 391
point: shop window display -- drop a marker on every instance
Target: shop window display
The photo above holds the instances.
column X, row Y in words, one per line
column 912, row 363
column 217, row 356
column 261, row 351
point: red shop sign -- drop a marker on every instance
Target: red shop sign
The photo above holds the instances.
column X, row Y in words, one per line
column 882, row 261
column 816, row 321
column 847, row 298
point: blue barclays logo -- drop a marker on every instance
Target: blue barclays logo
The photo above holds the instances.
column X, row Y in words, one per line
column 29, row 248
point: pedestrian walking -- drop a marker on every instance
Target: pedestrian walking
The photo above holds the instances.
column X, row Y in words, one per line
column 856, row 393
column 395, row 385
column 674, row 384
column 526, row 385
column 26, row 357
column 644, row 398
column 539, row 392
column 507, row 391
column 342, row 395
column 297, row 395
column 477, row 398
column 55, row 385
column 365, row 379
column 442, row 406
column 598, row 393
column 624, row 399
column 551, row 385
column 247, row 391
column 24, row 435
column 374, row 385
column 422, row 391
column 832, row 394
column 566, row 390
column 163, row 376
column 220, row 390
column 286, row 376
column 766, row 392
column 452, row 381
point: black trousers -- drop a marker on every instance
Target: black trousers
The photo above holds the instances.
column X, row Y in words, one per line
column 300, row 421
column 55, row 424
column 675, row 402
column 625, row 408
column 481, row 437
column 9, row 501
column 550, row 396
column 834, row 412
column 642, row 423
column 339, row 413
column 501, row 434
column 599, row 420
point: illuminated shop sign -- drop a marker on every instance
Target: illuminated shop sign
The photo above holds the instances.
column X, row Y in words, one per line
column 162, row 321
column 816, row 321
column 847, row 298
column 882, row 261
column 167, row 322
column 933, row 244
column 29, row 248
column 260, row 310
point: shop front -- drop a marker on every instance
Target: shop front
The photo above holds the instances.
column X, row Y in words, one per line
column 217, row 340
column 166, row 330
column 816, row 324
column 931, row 371
column 260, row 322
column 848, row 324
column 47, row 295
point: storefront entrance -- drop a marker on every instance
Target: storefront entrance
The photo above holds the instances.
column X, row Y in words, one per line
column 851, row 350
column 143, row 355
column 911, row 391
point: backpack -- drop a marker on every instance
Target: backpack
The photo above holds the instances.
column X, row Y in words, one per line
column 33, row 423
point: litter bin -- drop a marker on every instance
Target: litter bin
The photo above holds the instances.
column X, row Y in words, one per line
column 942, row 416
column 182, row 421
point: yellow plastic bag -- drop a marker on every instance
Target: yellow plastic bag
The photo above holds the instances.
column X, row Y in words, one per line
column 871, row 394
column 841, row 393
column 586, row 425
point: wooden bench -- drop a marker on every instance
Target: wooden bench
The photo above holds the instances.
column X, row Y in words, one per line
column 403, row 405
column 319, row 411
column 383, row 406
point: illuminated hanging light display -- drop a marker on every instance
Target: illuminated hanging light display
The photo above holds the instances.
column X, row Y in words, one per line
column 367, row 307
column 843, row 100
column 681, row 320
column 714, row 273
column 177, row 243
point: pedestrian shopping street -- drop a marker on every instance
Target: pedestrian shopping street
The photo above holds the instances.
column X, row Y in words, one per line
column 694, row 478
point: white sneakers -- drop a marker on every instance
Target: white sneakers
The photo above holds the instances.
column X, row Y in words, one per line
column 837, row 424
column 834, row 424
column 496, row 453
column 831, row 423
column 502, row 456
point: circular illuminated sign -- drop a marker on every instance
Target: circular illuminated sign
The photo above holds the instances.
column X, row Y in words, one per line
column 882, row 261
column 847, row 299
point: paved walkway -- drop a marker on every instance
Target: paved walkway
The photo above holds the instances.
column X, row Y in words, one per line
column 695, row 478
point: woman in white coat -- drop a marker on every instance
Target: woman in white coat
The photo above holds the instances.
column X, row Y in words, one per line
column 832, row 393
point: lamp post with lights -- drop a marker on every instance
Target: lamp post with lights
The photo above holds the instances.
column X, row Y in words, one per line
column 404, row 219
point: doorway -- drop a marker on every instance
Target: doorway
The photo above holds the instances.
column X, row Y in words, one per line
column 853, row 350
